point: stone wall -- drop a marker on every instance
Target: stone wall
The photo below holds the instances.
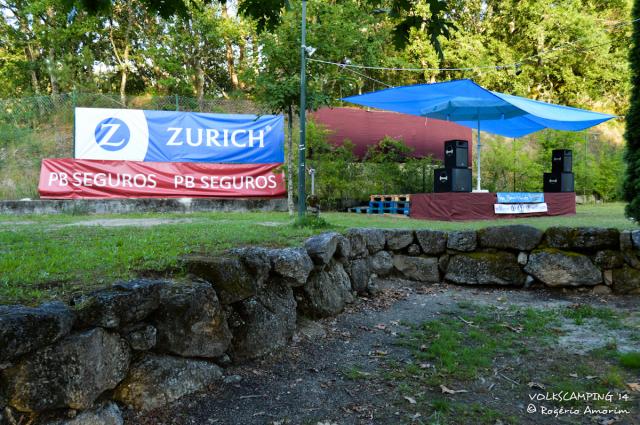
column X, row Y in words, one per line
column 145, row 343
column 122, row 206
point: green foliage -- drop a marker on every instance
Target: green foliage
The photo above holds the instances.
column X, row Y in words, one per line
column 580, row 313
column 388, row 150
column 336, row 31
column 632, row 134
column 355, row 373
column 518, row 165
column 387, row 168
column 311, row 222
column 589, row 70
column 630, row 360
column 507, row 165
column 511, row 165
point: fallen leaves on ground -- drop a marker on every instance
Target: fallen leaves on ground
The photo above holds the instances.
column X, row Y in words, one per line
column 536, row 385
column 411, row 400
column 446, row 390
column 634, row 386
column 517, row 329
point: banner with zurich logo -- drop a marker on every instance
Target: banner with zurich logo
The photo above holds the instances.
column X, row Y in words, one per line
column 166, row 136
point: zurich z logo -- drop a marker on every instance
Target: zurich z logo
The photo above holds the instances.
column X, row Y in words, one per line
column 112, row 134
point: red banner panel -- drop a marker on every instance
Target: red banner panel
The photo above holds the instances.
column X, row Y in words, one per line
column 76, row 178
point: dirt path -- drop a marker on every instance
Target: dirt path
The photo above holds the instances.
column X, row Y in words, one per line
column 339, row 371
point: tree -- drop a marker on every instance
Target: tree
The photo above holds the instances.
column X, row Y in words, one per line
column 336, row 31
column 188, row 53
column 632, row 134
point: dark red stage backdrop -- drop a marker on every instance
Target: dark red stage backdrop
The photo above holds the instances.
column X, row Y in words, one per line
column 74, row 178
column 479, row 206
column 365, row 128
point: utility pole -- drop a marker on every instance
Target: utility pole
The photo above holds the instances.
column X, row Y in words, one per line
column 303, row 110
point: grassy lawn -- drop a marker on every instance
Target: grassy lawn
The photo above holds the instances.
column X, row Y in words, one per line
column 44, row 257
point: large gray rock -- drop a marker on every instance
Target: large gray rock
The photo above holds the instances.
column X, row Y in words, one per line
column 374, row 239
column 142, row 338
column 462, row 240
column 190, row 321
column 321, row 248
column 443, row 263
column 73, row 373
column 156, row 381
column 432, row 242
column 414, row 250
column 484, row 268
column 423, row 269
column 25, row 329
column 326, row 292
column 398, row 239
column 359, row 270
column 263, row 323
column 357, row 243
column 626, row 280
column 343, row 249
column 381, row 263
column 257, row 260
column 629, row 252
column 292, row 264
column 635, row 239
column 123, row 303
column 106, row 414
column 583, row 238
column 608, row 259
column 561, row 268
column 229, row 275
column 516, row 237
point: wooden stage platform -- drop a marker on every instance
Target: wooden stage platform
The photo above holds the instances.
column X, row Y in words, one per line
column 480, row 206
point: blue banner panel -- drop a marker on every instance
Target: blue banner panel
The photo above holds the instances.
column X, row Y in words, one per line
column 166, row 136
column 520, row 197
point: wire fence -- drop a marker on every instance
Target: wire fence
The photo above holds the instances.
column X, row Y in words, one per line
column 35, row 111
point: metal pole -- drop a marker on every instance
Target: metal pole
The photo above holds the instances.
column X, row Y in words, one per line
column 478, row 146
column 513, row 146
column 586, row 173
column 74, row 101
column 303, row 110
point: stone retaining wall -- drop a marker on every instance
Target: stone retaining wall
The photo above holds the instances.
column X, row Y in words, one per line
column 145, row 343
column 122, row 206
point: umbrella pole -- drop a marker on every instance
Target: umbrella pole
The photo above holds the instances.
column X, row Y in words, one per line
column 478, row 146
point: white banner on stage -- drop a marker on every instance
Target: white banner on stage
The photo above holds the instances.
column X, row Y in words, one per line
column 520, row 208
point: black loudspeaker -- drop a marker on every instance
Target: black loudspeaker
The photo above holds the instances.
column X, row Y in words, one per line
column 456, row 154
column 558, row 182
column 452, row 180
column 561, row 161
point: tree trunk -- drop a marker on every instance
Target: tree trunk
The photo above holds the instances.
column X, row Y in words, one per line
column 125, row 55
column 242, row 47
column 200, row 85
column 124, row 71
column 53, row 78
column 632, row 118
column 231, row 68
column 34, row 76
column 290, row 203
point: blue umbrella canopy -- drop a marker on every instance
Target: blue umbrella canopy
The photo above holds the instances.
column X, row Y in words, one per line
column 466, row 103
